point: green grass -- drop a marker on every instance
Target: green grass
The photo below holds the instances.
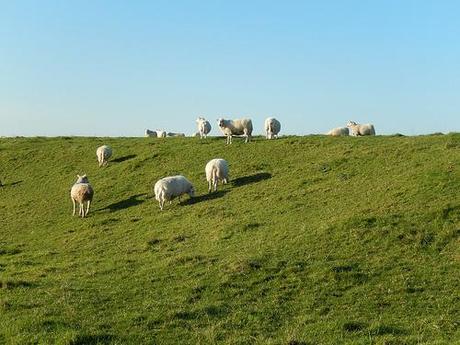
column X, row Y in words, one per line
column 316, row 240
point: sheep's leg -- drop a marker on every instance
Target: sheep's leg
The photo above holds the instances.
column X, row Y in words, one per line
column 161, row 202
column 87, row 208
column 209, row 186
column 80, row 210
column 73, row 202
column 215, row 185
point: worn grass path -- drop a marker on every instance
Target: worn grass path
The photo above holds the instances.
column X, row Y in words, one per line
column 316, row 240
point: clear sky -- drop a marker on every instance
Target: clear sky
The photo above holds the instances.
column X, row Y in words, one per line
column 115, row 68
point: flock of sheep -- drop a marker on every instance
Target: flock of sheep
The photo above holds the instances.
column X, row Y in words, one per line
column 170, row 187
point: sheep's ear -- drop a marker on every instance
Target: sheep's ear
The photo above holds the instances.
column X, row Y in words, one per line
column 78, row 176
column 84, row 176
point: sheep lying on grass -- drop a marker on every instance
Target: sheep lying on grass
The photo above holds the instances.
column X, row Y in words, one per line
column 151, row 134
column 236, row 127
column 216, row 170
column 172, row 134
column 103, row 154
column 204, row 127
column 339, row 131
column 359, row 130
column 171, row 187
column 81, row 192
column 156, row 134
column 272, row 128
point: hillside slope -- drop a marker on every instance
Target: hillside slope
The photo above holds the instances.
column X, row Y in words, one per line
column 316, row 240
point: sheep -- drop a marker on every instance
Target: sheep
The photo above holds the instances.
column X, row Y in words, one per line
column 149, row 133
column 170, row 187
column 103, row 154
column 358, row 129
column 272, row 128
column 236, row 127
column 80, row 192
column 204, row 127
column 161, row 133
column 172, row 134
column 339, row 131
column 157, row 133
column 216, row 170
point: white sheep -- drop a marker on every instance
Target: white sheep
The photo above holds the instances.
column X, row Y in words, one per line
column 172, row 134
column 161, row 134
column 272, row 128
column 236, row 127
column 103, row 154
column 358, row 129
column 81, row 192
column 171, row 187
column 216, row 170
column 149, row 133
column 204, row 127
column 339, row 131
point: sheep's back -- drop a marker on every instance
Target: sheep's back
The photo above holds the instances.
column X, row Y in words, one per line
column 82, row 192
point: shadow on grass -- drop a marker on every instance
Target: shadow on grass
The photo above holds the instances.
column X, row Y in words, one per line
column 10, row 184
column 87, row 339
column 133, row 200
column 124, row 158
column 204, row 197
column 242, row 181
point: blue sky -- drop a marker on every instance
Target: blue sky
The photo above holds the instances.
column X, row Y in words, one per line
column 115, row 68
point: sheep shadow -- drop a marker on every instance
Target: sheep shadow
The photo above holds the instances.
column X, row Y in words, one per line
column 242, row 181
column 204, row 197
column 122, row 159
column 10, row 184
column 133, row 200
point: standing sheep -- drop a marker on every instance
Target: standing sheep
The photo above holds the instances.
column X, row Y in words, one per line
column 81, row 191
column 103, row 154
column 204, row 127
column 272, row 128
column 236, row 127
column 339, row 131
column 359, row 130
column 216, row 170
column 171, row 187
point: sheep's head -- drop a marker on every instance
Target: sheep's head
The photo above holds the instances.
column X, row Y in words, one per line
column 200, row 119
column 82, row 179
column 221, row 122
column 351, row 124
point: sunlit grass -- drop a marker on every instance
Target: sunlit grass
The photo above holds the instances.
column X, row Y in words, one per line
column 315, row 240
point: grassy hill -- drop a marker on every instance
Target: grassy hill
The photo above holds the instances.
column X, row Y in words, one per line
column 316, row 240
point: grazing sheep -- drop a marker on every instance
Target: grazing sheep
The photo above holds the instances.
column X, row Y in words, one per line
column 272, row 128
column 170, row 187
column 204, row 127
column 339, row 131
column 81, row 191
column 216, row 170
column 172, row 134
column 358, row 129
column 236, row 127
column 103, row 154
column 149, row 133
